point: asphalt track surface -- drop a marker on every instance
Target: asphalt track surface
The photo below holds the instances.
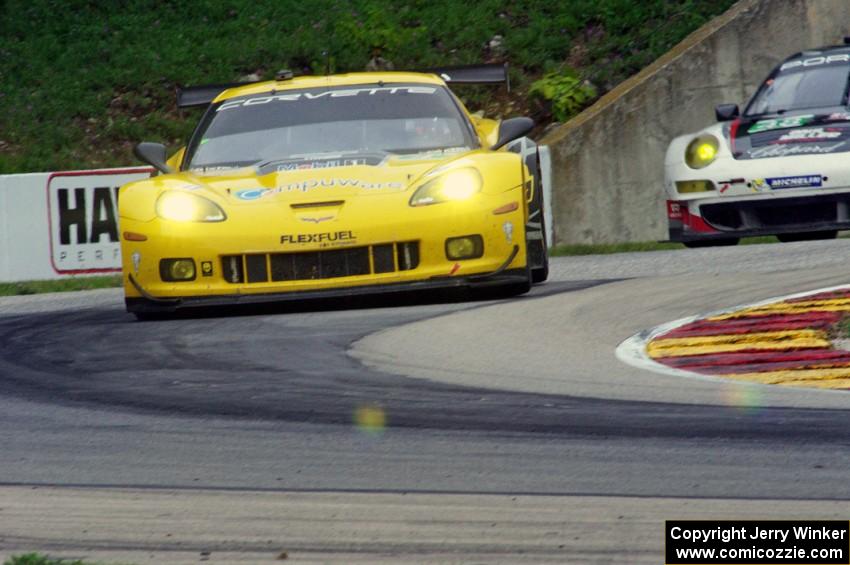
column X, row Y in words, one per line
column 512, row 432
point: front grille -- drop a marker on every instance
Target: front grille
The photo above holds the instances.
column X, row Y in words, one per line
column 330, row 264
column 802, row 212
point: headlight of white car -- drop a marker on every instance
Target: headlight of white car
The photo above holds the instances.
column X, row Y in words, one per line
column 702, row 151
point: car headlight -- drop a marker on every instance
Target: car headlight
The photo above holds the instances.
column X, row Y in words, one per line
column 702, row 151
column 183, row 206
column 689, row 186
column 459, row 184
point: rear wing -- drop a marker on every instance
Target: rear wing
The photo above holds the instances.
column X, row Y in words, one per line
column 192, row 96
column 493, row 73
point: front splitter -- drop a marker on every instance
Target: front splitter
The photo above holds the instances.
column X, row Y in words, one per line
column 155, row 304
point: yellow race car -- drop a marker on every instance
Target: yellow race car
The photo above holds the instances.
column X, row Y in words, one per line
column 334, row 186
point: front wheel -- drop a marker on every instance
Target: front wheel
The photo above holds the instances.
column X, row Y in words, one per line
column 515, row 289
column 711, row 242
column 153, row 316
column 508, row 290
column 807, row 236
column 540, row 272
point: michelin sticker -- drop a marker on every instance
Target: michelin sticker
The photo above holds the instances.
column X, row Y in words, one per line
column 776, row 183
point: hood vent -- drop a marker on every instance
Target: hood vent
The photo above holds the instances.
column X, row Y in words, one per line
column 325, row 204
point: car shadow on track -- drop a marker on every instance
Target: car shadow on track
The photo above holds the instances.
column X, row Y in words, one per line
column 395, row 300
column 474, row 298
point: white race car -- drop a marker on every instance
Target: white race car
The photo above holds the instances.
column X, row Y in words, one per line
column 781, row 168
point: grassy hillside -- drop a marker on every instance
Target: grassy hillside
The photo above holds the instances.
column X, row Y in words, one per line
column 82, row 81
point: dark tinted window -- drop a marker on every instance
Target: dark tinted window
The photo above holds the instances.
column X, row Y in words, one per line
column 802, row 88
column 357, row 119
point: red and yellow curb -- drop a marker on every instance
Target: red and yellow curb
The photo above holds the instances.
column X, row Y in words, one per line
column 785, row 342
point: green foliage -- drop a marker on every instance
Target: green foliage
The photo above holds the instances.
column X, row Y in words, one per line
column 567, row 94
column 81, row 81
column 38, row 559
column 633, row 246
column 61, row 285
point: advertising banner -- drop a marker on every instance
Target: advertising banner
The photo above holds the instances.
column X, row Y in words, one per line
column 83, row 219
column 54, row 225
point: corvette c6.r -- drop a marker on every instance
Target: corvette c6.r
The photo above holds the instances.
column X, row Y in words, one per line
column 334, row 186
column 779, row 169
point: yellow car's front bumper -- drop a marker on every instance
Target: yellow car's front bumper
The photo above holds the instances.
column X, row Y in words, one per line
column 274, row 253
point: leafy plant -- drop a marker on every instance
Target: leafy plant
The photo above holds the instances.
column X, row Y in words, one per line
column 38, row 559
column 566, row 93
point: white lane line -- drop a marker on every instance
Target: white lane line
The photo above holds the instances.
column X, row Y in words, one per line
column 632, row 351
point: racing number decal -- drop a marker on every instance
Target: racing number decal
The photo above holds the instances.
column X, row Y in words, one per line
column 780, row 123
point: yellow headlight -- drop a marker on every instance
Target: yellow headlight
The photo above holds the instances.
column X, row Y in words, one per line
column 182, row 206
column 702, row 151
column 687, row 186
column 456, row 185
column 176, row 270
column 466, row 247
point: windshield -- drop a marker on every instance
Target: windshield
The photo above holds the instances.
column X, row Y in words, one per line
column 325, row 121
column 801, row 88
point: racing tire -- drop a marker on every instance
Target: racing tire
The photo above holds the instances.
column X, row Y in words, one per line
column 517, row 288
column 509, row 290
column 540, row 274
column 536, row 247
column 538, row 253
column 726, row 241
column 807, row 236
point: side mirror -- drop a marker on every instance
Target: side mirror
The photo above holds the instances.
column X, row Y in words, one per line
column 726, row 112
column 153, row 154
column 513, row 129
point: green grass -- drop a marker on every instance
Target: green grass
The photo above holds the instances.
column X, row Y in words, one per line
column 38, row 559
column 608, row 248
column 81, row 81
column 61, row 285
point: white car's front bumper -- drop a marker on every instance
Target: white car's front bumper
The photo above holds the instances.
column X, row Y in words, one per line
column 745, row 204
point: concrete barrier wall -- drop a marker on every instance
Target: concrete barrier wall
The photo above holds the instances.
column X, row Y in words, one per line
column 608, row 162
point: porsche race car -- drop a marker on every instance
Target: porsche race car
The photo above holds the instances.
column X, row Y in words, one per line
column 338, row 185
column 779, row 168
